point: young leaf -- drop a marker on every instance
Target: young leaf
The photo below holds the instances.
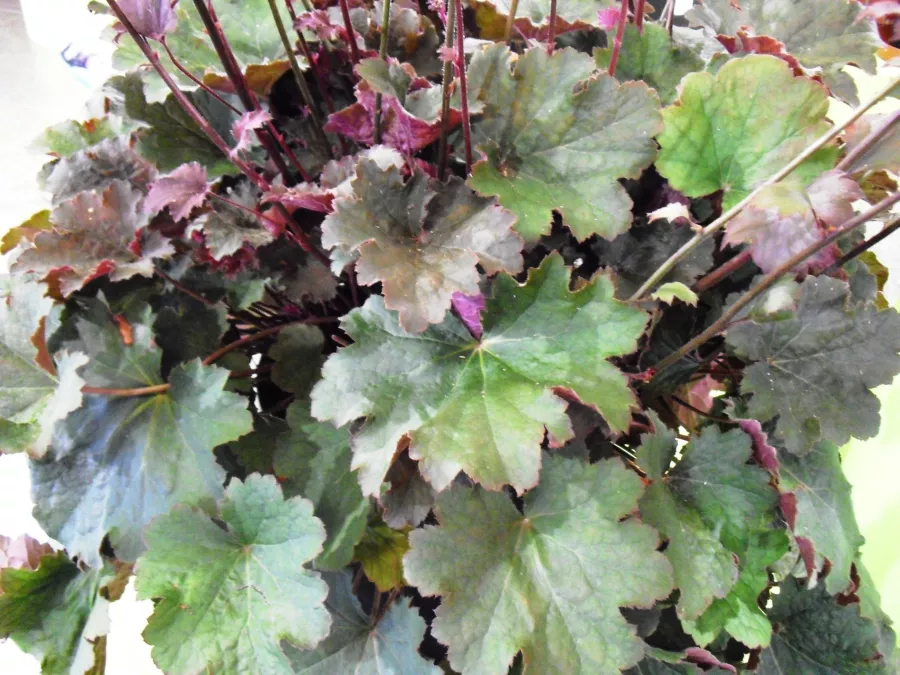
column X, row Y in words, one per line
column 422, row 240
column 313, row 460
column 247, row 123
column 675, row 290
column 842, row 348
column 240, row 588
column 557, row 136
column 182, row 191
column 117, row 462
column 784, row 219
column 47, row 608
column 226, row 228
column 67, row 138
column 380, row 552
column 820, row 33
column 359, row 646
column 481, row 406
column 95, row 234
column 823, row 509
column 548, row 581
column 734, row 130
column 816, row 634
column 708, row 506
column 652, row 56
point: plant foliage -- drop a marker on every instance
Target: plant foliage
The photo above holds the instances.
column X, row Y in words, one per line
column 367, row 346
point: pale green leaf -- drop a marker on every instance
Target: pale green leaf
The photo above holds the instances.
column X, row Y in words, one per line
column 675, row 290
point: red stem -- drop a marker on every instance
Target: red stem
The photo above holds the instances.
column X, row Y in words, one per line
column 351, row 34
column 551, row 38
column 723, row 271
column 445, row 82
column 617, row 43
column 182, row 288
column 193, row 78
column 464, row 94
column 639, row 14
column 183, row 101
column 247, row 339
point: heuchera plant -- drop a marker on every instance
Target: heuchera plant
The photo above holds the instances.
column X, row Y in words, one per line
column 486, row 337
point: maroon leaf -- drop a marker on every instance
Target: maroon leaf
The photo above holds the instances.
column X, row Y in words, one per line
column 22, row 552
column 182, row 191
column 95, row 234
column 763, row 452
column 151, row 18
column 745, row 43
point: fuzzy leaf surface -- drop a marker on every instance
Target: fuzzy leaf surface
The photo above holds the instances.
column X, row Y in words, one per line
column 95, row 234
column 46, row 610
column 312, row 459
column 733, row 130
column 117, row 462
column 355, row 645
column 547, row 582
column 816, row 635
column 558, row 136
column 651, row 56
column 228, row 595
column 707, row 506
column 421, row 239
column 814, row 368
column 824, row 509
column 481, row 406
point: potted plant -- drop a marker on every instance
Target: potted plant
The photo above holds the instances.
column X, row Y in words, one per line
column 457, row 337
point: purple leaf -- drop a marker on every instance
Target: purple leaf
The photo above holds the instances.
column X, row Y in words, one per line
column 151, row 18
column 247, row 123
column 469, row 308
column 182, row 191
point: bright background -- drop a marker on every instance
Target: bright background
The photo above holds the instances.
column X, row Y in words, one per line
column 37, row 89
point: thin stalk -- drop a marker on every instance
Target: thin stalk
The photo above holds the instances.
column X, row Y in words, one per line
column 464, row 93
column 772, row 277
column 510, row 20
column 196, row 80
column 135, row 391
column 181, row 287
column 726, row 217
column 282, row 143
column 863, row 247
column 670, row 16
column 382, row 52
column 722, row 271
column 247, row 339
column 874, row 136
column 233, row 70
column 183, row 101
column 351, row 34
column 241, row 207
column 304, row 241
column 639, row 14
column 320, row 82
column 694, row 409
column 551, row 37
column 617, row 42
column 447, row 75
column 298, row 76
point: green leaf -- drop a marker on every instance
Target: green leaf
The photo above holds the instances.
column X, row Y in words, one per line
column 815, row 367
column 557, row 136
column 380, row 552
column 188, row 329
column 172, row 137
column 824, row 508
column 32, row 399
column 820, row 33
column 734, row 130
column 652, row 56
column 256, row 450
column 248, row 27
column 36, row 223
column 708, row 506
column 816, row 635
column 548, row 581
column 675, row 290
column 52, row 611
column 297, row 354
column 481, row 406
column 239, row 588
column 117, row 462
column 66, row 138
column 359, row 646
column 422, row 240
column 312, row 459
column 739, row 612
